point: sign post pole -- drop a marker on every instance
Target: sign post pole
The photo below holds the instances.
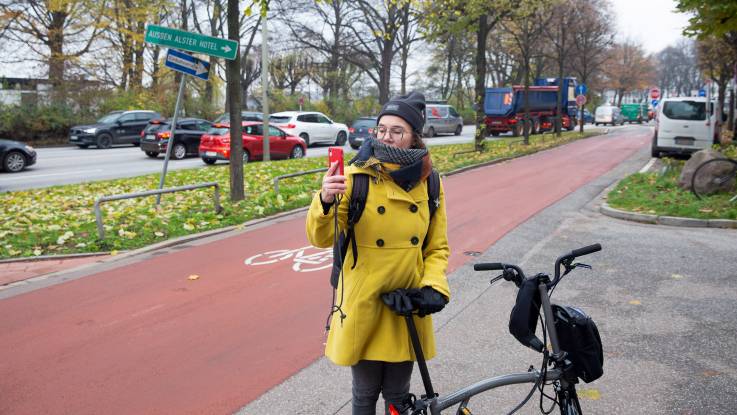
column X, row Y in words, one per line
column 265, row 85
column 172, row 130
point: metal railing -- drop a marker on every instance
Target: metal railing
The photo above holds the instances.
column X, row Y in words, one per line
column 100, row 200
column 301, row 173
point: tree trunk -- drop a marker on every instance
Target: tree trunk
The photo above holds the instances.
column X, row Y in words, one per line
column 155, row 71
column 56, row 49
column 385, row 72
column 482, row 33
column 237, row 192
column 139, row 48
column 722, row 88
column 445, row 91
column 730, row 117
column 558, row 109
column 527, row 121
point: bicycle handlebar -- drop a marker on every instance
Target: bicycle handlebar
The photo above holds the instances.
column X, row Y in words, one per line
column 488, row 266
column 586, row 250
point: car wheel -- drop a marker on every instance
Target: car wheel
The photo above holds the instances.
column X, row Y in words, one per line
column 137, row 144
column 104, row 141
column 152, row 154
column 14, row 162
column 340, row 140
column 495, row 133
column 246, row 156
column 297, row 152
column 654, row 150
column 179, row 151
column 82, row 145
column 305, row 137
column 355, row 146
column 458, row 130
column 430, row 132
column 208, row 160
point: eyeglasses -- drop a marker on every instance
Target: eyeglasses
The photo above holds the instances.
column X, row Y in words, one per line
column 396, row 133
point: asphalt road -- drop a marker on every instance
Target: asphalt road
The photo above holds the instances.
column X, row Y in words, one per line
column 66, row 165
column 142, row 336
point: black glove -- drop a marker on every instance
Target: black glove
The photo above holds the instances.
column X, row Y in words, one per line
column 427, row 300
column 400, row 300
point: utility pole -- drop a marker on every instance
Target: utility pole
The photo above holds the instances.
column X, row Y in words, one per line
column 265, row 81
column 234, row 107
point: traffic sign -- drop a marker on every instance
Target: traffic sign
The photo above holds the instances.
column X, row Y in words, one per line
column 655, row 93
column 193, row 42
column 581, row 89
column 581, row 100
column 182, row 62
column 654, row 103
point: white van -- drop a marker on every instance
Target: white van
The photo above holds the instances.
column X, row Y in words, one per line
column 608, row 114
column 681, row 126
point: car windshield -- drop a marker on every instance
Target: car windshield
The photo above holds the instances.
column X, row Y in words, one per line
column 109, row 118
column 685, row 110
column 279, row 119
column 364, row 123
column 157, row 127
column 604, row 110
column 245, row 116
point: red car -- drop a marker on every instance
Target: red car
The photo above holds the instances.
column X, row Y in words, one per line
column 215, row 145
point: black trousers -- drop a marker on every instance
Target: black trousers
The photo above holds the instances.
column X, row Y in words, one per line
column 371, row 377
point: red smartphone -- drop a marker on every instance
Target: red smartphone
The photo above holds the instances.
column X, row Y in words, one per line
column 336, row 154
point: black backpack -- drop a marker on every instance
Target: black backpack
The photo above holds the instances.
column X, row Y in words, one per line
column 355, row 210
column 579, row 337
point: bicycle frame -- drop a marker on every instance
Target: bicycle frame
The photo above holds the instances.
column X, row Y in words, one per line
column 435, row 403
column 462, row 396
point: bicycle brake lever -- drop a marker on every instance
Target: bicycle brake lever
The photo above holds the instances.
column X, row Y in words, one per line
column 580, row 265
column 495, row 279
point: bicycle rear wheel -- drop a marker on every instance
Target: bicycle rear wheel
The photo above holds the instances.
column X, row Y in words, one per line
column 712, row 176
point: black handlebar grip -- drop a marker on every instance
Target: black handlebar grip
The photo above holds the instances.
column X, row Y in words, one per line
column 586, row 250
column 488, row 266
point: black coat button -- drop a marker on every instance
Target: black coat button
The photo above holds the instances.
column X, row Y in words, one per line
column 413, row 208
column 381, row 210
column 380, row 242
column 415, row 240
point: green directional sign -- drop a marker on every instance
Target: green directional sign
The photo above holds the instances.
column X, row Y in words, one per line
column 193, row 42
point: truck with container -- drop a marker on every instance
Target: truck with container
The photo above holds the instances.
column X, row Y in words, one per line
column 505, row 107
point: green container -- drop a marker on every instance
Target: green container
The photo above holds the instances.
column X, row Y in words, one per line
column 634, row 113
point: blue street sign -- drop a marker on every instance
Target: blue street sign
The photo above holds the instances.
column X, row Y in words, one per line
column 654, row 102
column 702, row 92
column 580, row 89
column 182, row 62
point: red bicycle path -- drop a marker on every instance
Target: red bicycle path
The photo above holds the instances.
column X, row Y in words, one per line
column 145, row 339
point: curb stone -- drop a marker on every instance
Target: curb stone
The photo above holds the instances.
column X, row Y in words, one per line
column 667, row 220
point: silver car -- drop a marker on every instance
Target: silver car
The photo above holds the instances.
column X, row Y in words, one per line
column 441, row 118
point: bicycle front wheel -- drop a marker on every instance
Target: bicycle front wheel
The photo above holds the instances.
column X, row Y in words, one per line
column 713, row 176
column 568, row 402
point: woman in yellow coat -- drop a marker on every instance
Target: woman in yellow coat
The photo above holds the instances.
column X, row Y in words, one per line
column 401, row 255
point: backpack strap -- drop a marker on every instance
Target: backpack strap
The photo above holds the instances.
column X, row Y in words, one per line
column 433, row 197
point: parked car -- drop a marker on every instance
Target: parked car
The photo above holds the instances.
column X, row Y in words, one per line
column 155, row 137
column 588, row 117
column 312, row 127
column 16, row 156
column 608, row 114
column 681, row 128
column 441, row 118
column 215, row 145
column 117, row 127
column 245, row 116
column 361, row 129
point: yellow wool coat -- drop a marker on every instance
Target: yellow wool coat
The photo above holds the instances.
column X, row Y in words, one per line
column 389, row 237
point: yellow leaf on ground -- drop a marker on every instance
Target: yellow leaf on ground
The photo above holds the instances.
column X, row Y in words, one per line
column 635, row 302
column 193, row 277
column 677, row 276
column 592, row 394
column 706, row 210
column 114, row 252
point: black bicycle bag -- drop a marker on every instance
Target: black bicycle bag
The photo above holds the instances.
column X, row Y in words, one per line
column 579, row 337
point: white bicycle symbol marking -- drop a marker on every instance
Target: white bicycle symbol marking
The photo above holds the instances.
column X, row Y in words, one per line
column 304, row 260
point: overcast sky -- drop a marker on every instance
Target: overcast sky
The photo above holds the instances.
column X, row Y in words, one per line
column 653, row 23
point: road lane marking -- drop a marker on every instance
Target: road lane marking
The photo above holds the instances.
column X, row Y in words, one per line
column 14, row 178
column 648, row 165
